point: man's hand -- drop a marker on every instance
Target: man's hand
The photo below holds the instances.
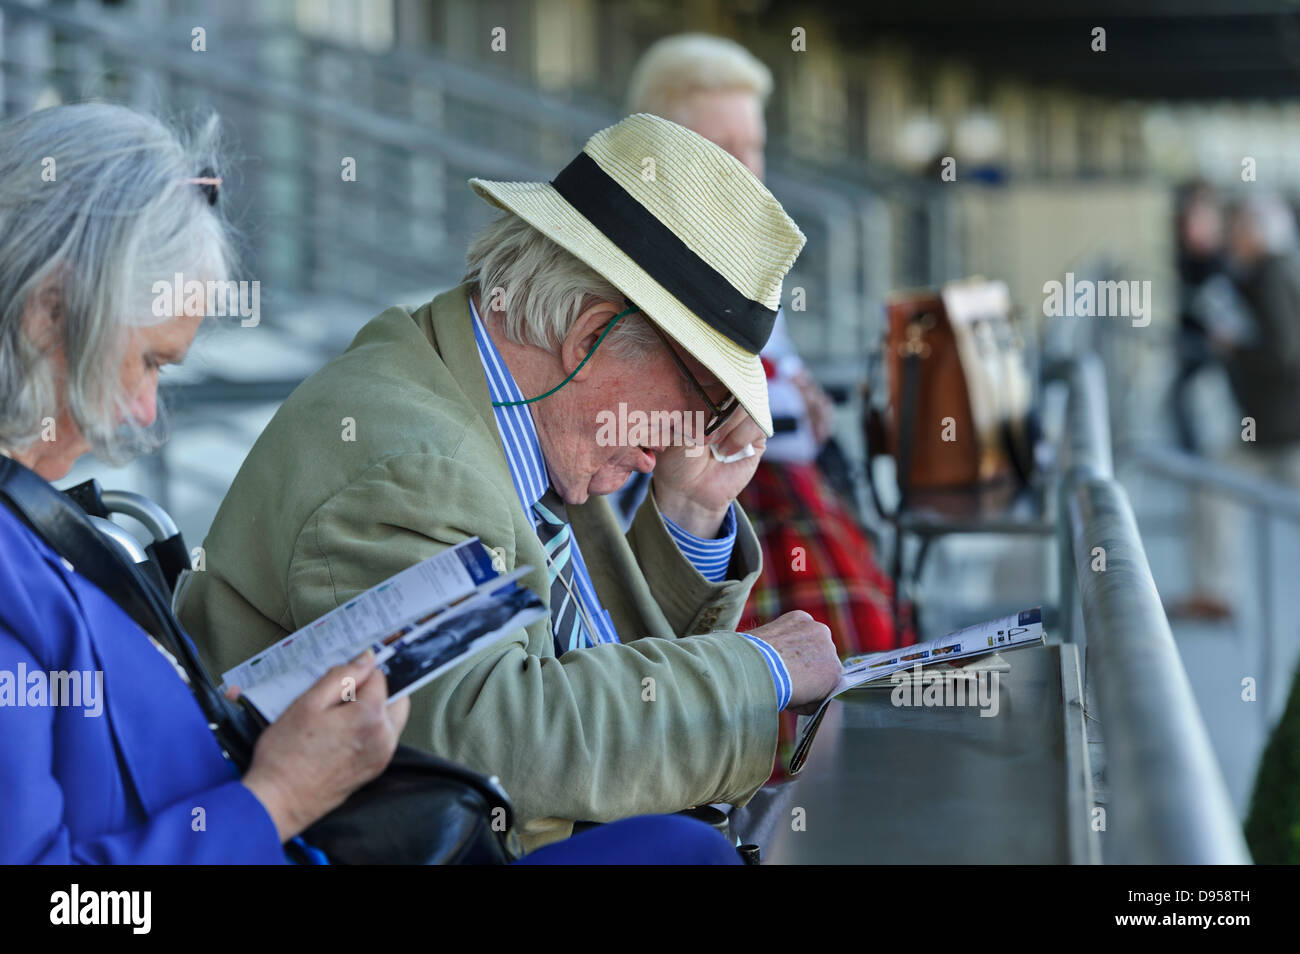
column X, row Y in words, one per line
column 694, row 489
column 806, row 648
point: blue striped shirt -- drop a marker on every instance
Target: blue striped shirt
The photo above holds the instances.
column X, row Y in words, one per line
column 528, row 471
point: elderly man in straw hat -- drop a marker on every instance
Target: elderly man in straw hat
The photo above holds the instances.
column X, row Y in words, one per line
column 640, row 283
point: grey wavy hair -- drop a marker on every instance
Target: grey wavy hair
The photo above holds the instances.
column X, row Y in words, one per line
column 94, row 209
column 542, row 288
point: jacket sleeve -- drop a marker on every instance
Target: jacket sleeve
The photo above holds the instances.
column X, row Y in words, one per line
column 32, row 827
column 1272, row 294
column 692, row 604
column 654, row 725
column 1279, row 311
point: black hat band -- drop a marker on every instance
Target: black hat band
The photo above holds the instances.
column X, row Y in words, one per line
column 663, row 255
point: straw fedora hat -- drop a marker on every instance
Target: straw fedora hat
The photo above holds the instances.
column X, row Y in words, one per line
column 683, row 230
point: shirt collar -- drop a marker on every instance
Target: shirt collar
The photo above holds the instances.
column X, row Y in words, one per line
column 514, row 424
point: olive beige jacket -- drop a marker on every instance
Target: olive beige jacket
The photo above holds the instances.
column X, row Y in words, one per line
column 390, row 454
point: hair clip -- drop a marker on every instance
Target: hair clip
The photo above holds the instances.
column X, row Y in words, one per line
column 209, row 182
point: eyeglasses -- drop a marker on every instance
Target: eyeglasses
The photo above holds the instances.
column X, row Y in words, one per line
column 721, row 411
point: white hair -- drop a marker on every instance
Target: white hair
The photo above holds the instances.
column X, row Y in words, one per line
column 1271, row 220
column 677, row 66
column 94, row 209
column 542, row 288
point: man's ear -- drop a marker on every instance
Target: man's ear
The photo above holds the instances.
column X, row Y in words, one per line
column 584, row 334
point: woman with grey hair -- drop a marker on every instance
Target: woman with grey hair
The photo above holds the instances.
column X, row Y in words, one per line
column 98, row 202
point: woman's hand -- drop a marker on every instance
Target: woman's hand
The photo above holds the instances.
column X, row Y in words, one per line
column 336, row 736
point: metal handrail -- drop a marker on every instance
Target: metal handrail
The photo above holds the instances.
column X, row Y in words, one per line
column 1087, row 436
column 1170, row 804
column 1266, row 500
column 1085, row 454
column 271, row 91
column 1279, row 499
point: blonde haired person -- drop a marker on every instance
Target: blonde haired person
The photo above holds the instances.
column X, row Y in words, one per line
column 716, row 87
column 710, row 84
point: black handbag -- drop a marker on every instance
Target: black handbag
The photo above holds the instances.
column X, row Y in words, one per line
column 421, row 810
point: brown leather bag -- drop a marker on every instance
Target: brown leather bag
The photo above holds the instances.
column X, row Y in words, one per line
column 958, row 389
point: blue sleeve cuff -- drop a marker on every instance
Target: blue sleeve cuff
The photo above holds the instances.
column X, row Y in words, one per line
column 710, row 557
column 780, row 675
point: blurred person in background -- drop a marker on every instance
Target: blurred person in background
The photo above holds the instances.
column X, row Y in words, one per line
column 816, row 557
column 1265, row 373
column 1198, row 227
column 1262, row 358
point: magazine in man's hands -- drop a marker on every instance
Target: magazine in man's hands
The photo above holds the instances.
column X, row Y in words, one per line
column 420, row 623
column 956, row 650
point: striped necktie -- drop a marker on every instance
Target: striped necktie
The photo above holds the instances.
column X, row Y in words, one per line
column 553, row 530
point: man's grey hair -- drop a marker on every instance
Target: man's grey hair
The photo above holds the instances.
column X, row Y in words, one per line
column 542, row 288
column 94, row 209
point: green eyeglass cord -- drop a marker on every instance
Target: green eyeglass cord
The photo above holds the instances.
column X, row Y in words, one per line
column 585, row 359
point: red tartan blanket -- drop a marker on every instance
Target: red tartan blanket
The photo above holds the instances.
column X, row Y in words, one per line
column 815, row 558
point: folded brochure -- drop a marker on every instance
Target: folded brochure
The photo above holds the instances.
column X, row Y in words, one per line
column 1016, row 631
column 419, row 623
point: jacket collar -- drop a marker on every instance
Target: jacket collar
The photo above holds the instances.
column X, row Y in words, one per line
column 514, row 420
column 446, row 322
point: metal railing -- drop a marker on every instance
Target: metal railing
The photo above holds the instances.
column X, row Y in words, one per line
column 1267, row 502
column 1169, row 803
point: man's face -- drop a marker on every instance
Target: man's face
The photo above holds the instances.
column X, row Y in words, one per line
column 732, row 119
column 576, row 432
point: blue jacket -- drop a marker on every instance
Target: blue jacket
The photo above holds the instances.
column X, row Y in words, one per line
column 141, row 782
